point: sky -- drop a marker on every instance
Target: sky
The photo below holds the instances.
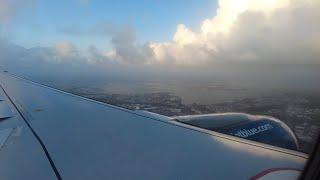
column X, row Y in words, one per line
column 45, row 22
column 92, row 35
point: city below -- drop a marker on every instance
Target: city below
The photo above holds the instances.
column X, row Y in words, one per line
column 299, row 111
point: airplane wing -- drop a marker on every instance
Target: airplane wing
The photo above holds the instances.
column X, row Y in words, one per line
column 46, row 133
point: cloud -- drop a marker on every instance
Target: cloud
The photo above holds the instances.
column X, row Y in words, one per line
column 10, row 8
column 125, row 47
column 13, row 56
column 66, row 50
column 127, row 50
column 247, row 31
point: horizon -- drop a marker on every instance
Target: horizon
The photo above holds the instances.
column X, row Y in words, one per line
column 94, row 36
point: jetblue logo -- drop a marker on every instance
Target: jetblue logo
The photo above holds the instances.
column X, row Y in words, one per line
column 250, row 132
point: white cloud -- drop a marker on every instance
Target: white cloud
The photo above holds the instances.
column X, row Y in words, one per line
column 265, row 31
column 66, row 50
column 246, row 31
column 230, row 10
column 242, row 31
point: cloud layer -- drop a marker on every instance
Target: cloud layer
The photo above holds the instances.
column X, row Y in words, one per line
column 261, row 31
column 247, row 31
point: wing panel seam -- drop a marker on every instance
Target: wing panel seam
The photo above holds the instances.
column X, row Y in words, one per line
column 54, row 168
